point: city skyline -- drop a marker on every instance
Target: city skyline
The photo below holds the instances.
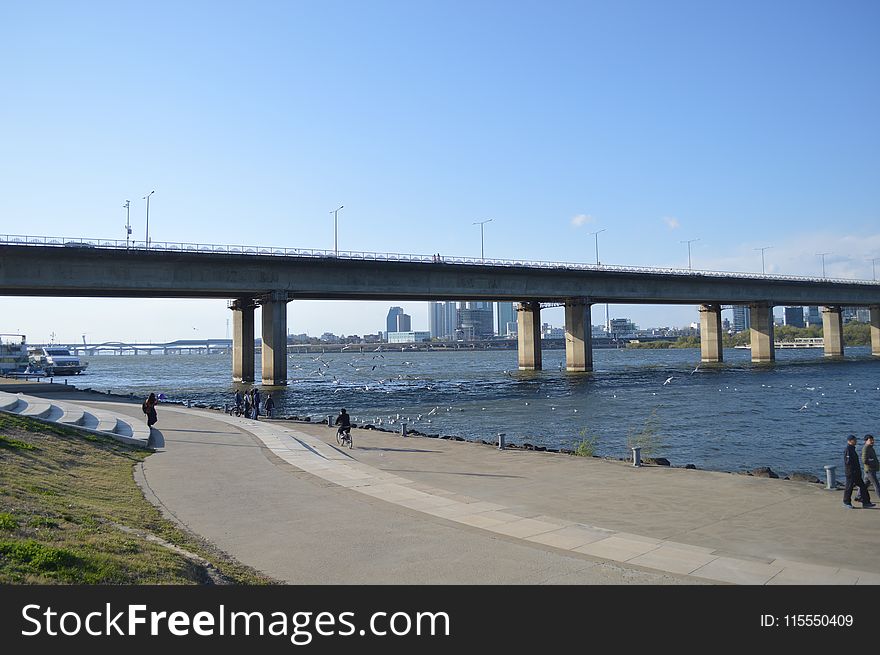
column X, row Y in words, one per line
column 735, row 138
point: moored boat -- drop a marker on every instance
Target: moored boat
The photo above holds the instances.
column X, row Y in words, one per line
column 13, row 353
column 56, row 360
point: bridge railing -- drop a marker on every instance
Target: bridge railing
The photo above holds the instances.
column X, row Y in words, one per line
column 232, row 249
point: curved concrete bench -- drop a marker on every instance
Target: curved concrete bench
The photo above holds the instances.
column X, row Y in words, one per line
column 36, row 408
column 120, row 427
column 9, row 402
column 70, row 414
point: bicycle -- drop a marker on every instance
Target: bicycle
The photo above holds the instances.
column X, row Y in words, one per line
column 343, row 437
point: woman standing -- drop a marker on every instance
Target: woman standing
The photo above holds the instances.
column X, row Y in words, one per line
column 149, row 408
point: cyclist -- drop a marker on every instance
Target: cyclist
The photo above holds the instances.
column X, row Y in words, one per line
column 344, row 423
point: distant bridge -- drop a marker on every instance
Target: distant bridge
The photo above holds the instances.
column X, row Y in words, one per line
column 121, row 347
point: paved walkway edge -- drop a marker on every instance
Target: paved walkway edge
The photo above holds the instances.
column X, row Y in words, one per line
column 334, row 465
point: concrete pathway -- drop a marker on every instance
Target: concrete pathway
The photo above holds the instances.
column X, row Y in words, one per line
column 280, row 497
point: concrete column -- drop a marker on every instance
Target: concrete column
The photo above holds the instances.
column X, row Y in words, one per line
column 875, row 330
column 242, row 340
column 528, row 335
column 832, row 331
column 274, row 307
column 711, row 345
column 578, row 336
column 762, row 332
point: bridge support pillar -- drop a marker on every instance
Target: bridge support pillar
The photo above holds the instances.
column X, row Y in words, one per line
column 832, row 331
column 242, row 340
column 711, row 345
column 578, row 336
column 875, row 330
column 762, row 332
column 528, row 335
column 274, row 307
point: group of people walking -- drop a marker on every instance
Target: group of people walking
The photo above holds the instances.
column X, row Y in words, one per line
column 248, row 404
column 853, row 469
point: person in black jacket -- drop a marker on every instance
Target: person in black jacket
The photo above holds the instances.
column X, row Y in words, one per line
column 344, row 423
column 854, row 475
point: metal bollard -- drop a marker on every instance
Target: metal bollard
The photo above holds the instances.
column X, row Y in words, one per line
column 830, row 480
column 188, row 402
column 500, row 441
column 330, row 420
column 637, row 456
column 403, row 429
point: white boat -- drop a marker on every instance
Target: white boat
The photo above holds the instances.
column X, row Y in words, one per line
column 799, row 342
column 56, row 360
column 13, row 353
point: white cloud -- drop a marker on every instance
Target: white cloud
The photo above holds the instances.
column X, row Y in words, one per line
column 848, row 256
column 671, row 223
column 582, row 219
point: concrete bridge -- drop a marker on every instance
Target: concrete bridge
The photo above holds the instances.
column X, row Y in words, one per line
column 271, row 277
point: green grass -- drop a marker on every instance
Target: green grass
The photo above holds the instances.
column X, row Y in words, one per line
column 14, row 444
column 586, row 447
column 63, row 497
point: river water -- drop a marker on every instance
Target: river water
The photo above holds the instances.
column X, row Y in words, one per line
column 793, row 415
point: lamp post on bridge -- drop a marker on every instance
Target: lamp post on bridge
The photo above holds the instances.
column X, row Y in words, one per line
column 689, row 242
column 762, row 257
column 874, row 261
column 127, row 206
column 147, row 198
column 607, row 315
column 822, row 255
column 481, row 224
column 335, row 213
column 596, row 234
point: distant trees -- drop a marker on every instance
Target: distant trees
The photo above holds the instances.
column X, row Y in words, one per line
column 854, row 334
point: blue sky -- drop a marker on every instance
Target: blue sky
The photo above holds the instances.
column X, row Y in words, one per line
column 741, row 124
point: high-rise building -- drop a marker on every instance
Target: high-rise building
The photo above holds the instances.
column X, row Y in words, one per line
column 475, row 320
column 404, row 323
column 861, row 314
column 794, row 316
column 437, row 319
column 391, row 320
column 505, row 314
column 814, row 318
column 742, row 319
column 442, row 319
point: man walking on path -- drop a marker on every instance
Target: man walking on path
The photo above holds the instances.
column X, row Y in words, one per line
column 853, row 475
column 270, row 405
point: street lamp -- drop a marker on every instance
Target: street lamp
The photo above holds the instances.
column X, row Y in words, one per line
column 147, row 198
column 607, row 319
column 874, row 268
column 822, row 255
column 335, row 228
column 689, row 242
column 127, row 206
column 596, row 234
column 481, row 224
column 762, row 257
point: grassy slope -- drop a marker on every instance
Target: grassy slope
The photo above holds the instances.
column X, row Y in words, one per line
column 63, row 496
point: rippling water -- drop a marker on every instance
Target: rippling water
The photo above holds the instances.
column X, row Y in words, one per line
column 792, row 416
